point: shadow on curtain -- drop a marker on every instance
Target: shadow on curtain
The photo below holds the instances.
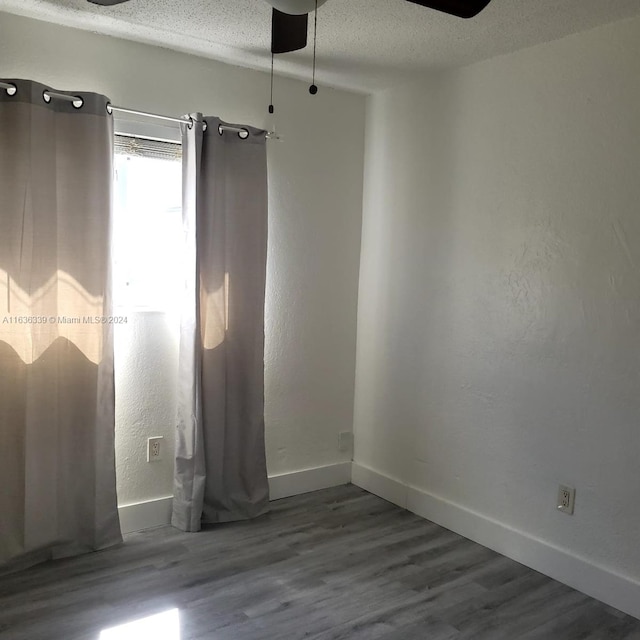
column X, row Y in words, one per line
column 57, row 468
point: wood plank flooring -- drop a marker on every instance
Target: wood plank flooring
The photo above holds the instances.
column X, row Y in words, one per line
column 330, row 565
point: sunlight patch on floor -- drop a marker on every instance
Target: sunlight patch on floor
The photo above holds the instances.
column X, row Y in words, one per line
column 162, row 626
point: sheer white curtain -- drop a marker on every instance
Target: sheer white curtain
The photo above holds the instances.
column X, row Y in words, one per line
column 57, row 469
column 220, row 451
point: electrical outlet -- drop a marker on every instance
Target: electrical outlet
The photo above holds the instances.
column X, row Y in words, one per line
column 154, row 449
column 566, row 499
column 345, row 441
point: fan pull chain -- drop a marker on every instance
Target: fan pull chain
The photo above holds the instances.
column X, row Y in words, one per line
column 313, row 89
column 271, row 109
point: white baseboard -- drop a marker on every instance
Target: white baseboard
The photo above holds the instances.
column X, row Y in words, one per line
column 157, row 513
column 379, row 484
column 297, row 482
column 145, row 515
column 619, row 591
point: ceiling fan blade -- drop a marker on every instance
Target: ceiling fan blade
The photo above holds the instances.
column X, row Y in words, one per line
column 288, row 33
column 460, row 8
column 107, row 3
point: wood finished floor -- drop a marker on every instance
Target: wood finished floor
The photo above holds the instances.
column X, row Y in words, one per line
column 333, row 564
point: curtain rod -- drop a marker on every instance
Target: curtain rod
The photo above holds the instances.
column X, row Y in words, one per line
column 77, row 102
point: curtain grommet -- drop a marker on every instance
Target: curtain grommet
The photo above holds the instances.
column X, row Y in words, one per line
column 46, row 97
column 109, row 108
column 11, row 89
column 243, row 133
column 191, row 123
column 78, row 103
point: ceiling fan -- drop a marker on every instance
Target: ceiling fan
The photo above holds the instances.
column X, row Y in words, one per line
column 290, row 17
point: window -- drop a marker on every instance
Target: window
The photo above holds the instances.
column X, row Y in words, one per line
column 148, row 284
column 147, row 224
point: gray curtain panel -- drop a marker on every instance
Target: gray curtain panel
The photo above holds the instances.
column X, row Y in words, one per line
column 220, row 472
column 57, row 471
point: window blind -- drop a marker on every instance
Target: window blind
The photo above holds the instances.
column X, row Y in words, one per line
column 147, row 148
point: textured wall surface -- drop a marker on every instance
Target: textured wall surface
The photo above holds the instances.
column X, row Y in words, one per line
column 146, row 367
column 315, row 214
column 499, row 312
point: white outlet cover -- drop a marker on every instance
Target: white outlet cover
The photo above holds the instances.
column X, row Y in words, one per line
column 154, row 449
column 345, row 441
column 566, row 499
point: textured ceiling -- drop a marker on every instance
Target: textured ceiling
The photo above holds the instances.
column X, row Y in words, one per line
column 363, row 45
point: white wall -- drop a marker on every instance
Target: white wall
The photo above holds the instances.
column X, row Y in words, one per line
column 315, row 213
column 499, row 314
column 146, row 377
